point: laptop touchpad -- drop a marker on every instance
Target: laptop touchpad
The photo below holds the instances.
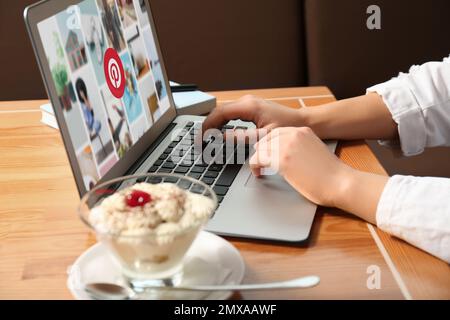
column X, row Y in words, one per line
column 272, row 182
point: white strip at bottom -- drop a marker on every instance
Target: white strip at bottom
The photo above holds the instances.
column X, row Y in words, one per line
column 387, row 258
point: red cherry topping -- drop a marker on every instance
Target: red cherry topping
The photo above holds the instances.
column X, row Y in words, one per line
column 137, row 198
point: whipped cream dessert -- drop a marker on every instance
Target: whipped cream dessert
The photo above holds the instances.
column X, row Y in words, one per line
column 150, row 227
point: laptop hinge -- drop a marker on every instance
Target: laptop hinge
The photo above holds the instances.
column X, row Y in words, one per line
column 150, row 149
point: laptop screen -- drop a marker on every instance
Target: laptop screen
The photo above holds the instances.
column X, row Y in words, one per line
column 108, row 77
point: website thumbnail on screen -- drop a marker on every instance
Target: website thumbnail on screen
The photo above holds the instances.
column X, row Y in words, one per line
column 108, row 77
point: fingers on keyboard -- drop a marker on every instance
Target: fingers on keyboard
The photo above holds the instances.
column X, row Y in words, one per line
column 183, row 156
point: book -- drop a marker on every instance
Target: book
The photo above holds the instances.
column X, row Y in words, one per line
column 187, row 103
column 193, row 102
column 48, row 116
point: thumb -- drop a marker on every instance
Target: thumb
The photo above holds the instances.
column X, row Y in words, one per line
column 261, row 159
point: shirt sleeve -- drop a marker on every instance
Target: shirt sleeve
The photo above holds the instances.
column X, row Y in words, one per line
column 417, row 210
column 419, row 102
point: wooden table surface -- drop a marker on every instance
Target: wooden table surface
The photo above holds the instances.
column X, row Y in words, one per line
column 41, row 235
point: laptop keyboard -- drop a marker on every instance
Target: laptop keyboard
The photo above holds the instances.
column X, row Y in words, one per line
column 182, row 157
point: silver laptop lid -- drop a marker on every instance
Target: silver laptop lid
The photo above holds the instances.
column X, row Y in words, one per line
column 104, row 74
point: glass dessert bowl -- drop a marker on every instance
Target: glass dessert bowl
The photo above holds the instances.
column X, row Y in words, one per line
column 149, row 222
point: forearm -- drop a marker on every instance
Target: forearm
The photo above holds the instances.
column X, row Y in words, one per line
column 359, row 193
column 363, row 117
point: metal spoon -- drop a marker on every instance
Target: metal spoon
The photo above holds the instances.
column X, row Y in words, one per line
column 112, row 291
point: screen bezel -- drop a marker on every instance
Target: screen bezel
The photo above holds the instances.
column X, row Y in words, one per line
column 47, row 8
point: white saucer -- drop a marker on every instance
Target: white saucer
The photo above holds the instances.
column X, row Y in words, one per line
column 211, row 260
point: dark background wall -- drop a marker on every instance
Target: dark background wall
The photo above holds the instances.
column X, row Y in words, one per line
column 235, row 44
column 231, row 44
column 344, row 54
column 20, row 78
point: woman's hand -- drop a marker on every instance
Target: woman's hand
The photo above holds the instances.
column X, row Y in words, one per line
column 364, row 117
column 265, row 114
column 304, row 161
column 307, row 165
column 302, row 158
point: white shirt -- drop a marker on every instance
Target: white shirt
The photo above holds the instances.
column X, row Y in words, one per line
column 417, row 209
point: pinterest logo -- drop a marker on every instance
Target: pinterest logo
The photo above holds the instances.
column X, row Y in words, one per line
column 114, row 73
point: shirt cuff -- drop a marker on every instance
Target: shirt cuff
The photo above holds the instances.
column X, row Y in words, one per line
column 415, row 209
column 387, row 202
column 406, row 112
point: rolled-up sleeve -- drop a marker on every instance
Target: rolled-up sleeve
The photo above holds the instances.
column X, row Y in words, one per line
column 417, row 210
column 419, row 102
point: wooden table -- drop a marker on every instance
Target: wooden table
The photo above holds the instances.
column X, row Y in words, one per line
column 41, row 235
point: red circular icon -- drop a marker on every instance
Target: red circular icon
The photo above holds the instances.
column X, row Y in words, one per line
column 114, row 73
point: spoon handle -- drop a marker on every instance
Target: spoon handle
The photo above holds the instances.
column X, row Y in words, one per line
column 299, row 283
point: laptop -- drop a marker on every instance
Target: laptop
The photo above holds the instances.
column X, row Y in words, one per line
column 104, row 74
